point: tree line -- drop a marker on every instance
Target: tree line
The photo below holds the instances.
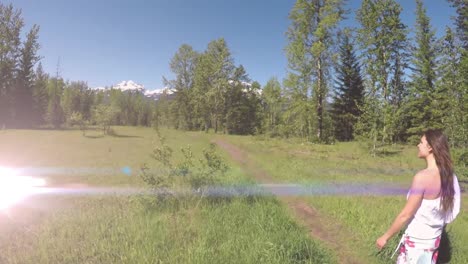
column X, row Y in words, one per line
column 30, row 97
column 372, row 82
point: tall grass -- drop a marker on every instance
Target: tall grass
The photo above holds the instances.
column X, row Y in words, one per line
column 124, row 229
column 366, row 216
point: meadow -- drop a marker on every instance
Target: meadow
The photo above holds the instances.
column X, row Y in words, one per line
column 122, row 228
column 119, row 227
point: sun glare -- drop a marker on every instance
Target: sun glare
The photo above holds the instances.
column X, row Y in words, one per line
column 14, row 188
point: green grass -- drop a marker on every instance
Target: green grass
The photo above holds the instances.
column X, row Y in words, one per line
column 366, row 216
column 122, row 229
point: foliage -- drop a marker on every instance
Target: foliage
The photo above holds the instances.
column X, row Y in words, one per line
column 311, row 37
column 103, row 115
column 349, row 91
column 382, row 37
column 199, row 174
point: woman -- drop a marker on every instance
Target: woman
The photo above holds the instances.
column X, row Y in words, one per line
column 432, row 202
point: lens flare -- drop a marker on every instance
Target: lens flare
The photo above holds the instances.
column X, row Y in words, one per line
column 15, row 188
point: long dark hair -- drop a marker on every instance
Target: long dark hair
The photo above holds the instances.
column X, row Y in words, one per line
column 440, row 148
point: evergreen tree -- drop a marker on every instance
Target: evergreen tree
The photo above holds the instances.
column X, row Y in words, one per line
column 55, row 86
column 202, row 88
column 211, row 80
column 183, row 66
column 382, row 37
column 450, row 95
column 423, row 91
column 11, row 24
column 272, row 107
column 25, row 79
column 71, row 100
column 309, row 50
column 55, row 115
column 461, row 22
column 40, row 95
column 242, row 104
column 349, row 91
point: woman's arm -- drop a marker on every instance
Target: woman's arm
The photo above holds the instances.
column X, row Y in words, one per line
column 412, row 205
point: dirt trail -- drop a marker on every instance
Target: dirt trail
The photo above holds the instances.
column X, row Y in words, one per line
column 319, row 226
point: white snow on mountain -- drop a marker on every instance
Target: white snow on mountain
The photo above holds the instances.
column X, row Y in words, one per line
column 128, row 85
column 133, row 86
column 157, row 93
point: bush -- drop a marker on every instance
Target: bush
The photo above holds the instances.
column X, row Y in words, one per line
column 195, row 174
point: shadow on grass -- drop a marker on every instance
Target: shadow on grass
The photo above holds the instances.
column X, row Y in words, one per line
column 114, row 135
column 387, row 153
column 123, row 136
column 93, row 136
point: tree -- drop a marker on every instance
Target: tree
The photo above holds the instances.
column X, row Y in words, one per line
column 423, row 91
column 450, row 94
column 72, row 99
column 25, row 79
column 76, row 119
column 40, row 95
column 272, row 107
column 103, row 116
column 309, row 51
column 55, row 115
column 219, row 56
column 382, row 37
column 461, row 22
column 214, row 69
column 202, row 86
column 11, row 24
column 183, row 66
column 349, row 90
column 242, row 104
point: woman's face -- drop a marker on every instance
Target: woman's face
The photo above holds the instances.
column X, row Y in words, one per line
column 424, row 148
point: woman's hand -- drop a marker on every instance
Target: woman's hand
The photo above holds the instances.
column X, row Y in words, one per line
column 381, row 241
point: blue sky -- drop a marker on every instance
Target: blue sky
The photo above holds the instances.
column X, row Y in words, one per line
column 105, row 42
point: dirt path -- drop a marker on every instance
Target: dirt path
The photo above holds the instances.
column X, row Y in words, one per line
column 319, row 226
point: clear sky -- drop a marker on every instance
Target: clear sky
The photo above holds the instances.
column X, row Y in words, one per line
column 105, row 42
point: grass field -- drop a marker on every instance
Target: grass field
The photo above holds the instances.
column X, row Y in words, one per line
column 366, row 216
column 105, row 228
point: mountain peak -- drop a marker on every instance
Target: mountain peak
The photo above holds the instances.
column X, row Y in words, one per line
column 128, row 85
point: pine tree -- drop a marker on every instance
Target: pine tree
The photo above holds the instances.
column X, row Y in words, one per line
column 242, row 104
column 382, row 37
column 450, row 93
column 423, row 107
column 183, row 66
column 25, row 79
column 272, row 107
column 55, row 86
column 310, row 38
column 349, row 91
column 214, row 69
column 11, row 24
column 461, row 37
column 40, row 95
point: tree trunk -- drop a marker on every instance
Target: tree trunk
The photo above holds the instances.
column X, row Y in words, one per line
column 320, row 99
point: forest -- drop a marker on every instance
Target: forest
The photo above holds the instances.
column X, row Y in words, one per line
column 373, row 82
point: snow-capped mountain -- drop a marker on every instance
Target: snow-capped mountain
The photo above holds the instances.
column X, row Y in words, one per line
column 129, row 86
column 157, row 93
